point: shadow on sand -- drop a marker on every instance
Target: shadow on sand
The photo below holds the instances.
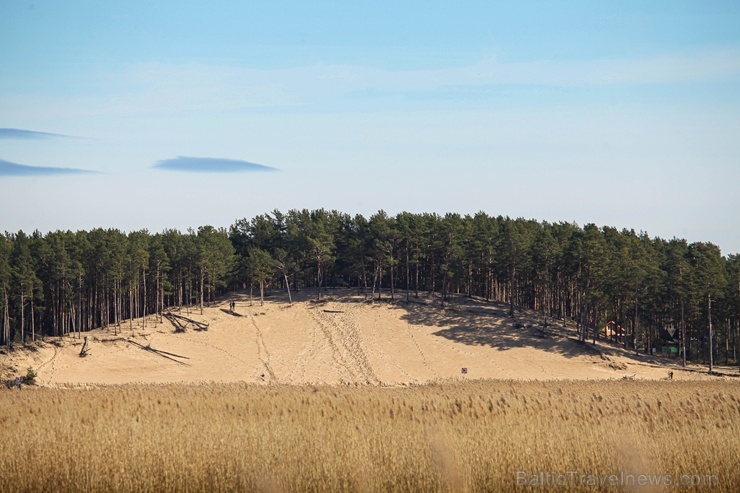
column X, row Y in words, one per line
column 232, row 313
column 481, row 323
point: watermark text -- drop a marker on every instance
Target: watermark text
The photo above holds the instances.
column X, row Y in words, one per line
column 621, row 479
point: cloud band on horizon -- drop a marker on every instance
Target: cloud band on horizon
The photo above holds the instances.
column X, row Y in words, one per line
column 209, row 165
column 13, row 169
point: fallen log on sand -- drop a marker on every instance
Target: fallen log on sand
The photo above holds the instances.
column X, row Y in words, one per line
column 201, row 325
column 181, row 322
column 169, row 316
column 85, row 349
column 164, row 354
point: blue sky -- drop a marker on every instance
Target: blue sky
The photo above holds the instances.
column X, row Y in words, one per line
column 623, row 113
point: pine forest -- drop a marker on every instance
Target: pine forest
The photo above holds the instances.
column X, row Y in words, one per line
column 649, row 290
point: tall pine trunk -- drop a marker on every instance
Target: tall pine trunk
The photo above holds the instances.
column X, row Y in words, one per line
column 6, row 316
column 709, row 319
column 416, row 280
column 634, row 327
column 287, row 285
column 143, row 321
column 33, row 320
column 393, row 287
column 511, row 292
column 683, row 335
column 23, row 321
column 408, row 274
column 130, row 306
column 202, row 281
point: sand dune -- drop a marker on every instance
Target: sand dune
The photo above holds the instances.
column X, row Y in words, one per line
column 345, row 339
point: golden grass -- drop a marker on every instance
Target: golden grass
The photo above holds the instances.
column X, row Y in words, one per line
column 470, row 436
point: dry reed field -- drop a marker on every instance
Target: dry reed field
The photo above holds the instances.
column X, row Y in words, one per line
column 454, row 436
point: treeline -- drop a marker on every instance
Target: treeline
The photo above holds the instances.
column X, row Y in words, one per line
column 66, row 281
column 654, row 290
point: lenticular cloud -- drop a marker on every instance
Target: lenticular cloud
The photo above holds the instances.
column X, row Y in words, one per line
column 19, row 133
column 13, row 169
column 209, row 165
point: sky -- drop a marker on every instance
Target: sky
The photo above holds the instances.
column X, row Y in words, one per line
column 158, row 114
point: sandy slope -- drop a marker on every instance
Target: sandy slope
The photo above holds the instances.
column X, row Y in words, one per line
column 343, row 340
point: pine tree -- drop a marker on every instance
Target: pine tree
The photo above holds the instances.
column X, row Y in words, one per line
column 261, row 268
column 25, row 281
column 6, row 247
column 709, row 282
